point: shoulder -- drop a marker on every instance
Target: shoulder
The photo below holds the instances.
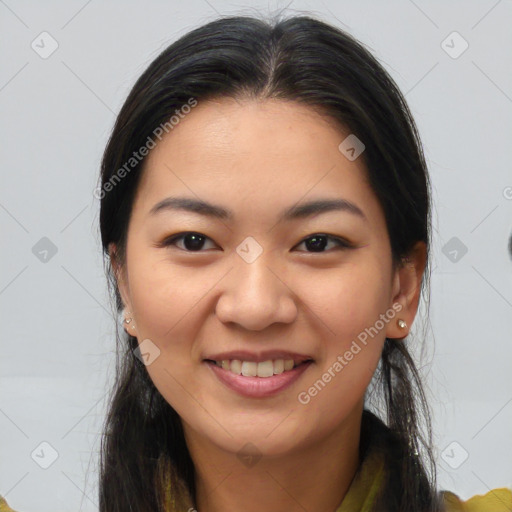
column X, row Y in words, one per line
column 4, row 507
column 496, row 500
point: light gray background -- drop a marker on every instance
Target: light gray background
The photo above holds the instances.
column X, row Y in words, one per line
column 55, row 117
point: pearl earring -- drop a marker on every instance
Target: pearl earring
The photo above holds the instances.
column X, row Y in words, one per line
column 128, row 320
column 401, row 324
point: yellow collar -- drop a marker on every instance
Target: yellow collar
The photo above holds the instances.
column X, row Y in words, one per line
column 365, row 485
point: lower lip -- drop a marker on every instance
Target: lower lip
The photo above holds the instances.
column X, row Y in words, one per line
column 258, row 387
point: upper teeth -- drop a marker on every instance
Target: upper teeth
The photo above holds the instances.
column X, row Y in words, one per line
column 253, row 369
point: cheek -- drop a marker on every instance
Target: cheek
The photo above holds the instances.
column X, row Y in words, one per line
column 164, row 297
column 171, row 304
column 166, row 300
column 349, row 299
column 353, row 301
column 349, row 302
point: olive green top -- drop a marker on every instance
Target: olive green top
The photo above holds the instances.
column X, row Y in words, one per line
column 366, row 483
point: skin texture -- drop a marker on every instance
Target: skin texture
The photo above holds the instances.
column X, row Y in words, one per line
column 258, row 158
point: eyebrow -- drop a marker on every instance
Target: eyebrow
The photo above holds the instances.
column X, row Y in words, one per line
column 294, row 212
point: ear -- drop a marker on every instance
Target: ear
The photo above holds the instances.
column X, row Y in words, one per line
column 122, row 283
column 407, row 289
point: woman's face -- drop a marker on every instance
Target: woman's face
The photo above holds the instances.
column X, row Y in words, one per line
column 257, row 282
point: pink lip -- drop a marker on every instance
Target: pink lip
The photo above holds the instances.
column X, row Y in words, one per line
column 243, row 355
column 258, row 387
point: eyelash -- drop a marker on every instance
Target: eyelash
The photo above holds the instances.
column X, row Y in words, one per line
column 341, row 243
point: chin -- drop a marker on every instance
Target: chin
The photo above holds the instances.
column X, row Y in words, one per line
column 265, row 438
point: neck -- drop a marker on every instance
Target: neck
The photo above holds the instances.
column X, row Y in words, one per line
column 313, row 477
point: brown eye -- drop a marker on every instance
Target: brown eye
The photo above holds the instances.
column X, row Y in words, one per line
column 192, row 241
column 318, row 242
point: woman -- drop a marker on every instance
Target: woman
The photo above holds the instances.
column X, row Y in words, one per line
column 265, row 214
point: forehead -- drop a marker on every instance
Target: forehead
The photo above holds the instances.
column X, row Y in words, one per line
column 251, row 151
column 241, row 128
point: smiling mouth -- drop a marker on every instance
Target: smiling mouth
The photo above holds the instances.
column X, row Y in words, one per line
column 262, row 369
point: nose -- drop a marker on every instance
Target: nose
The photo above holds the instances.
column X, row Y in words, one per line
column 255, row 295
